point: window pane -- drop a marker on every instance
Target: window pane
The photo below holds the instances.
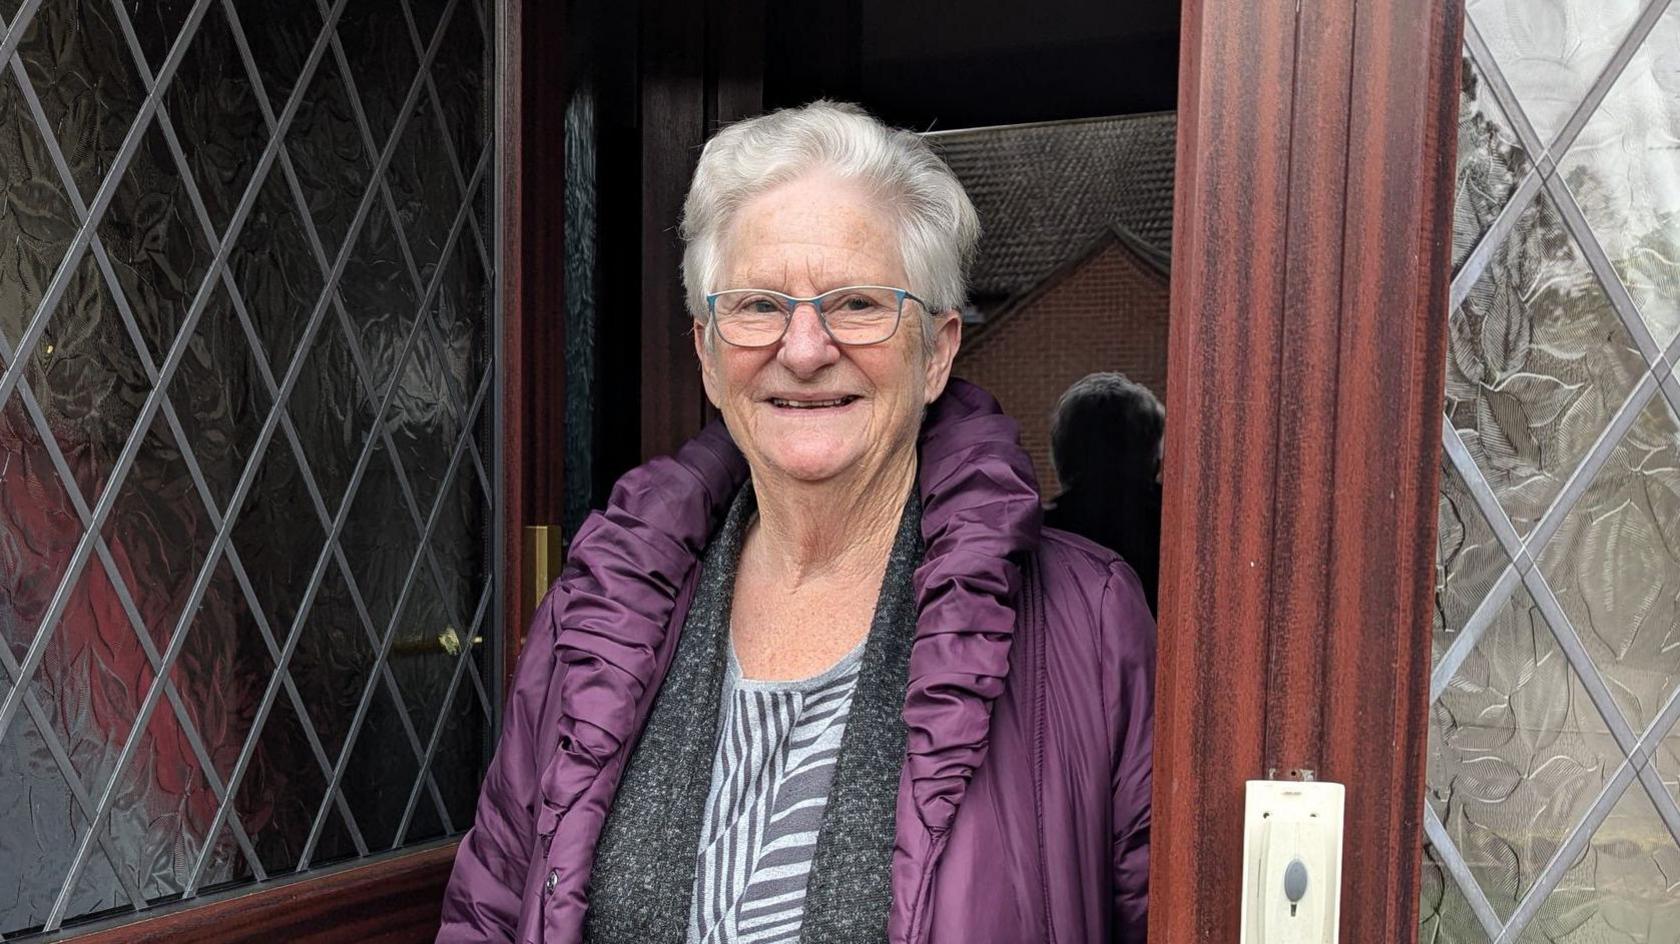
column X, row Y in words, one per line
column 1551, row 763
column 245, row 570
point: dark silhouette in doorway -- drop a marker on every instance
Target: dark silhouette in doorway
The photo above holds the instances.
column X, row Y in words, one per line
column 1105, row 442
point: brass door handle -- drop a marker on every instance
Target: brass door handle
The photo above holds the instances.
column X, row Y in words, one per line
column 545, row 553
column 447, row 642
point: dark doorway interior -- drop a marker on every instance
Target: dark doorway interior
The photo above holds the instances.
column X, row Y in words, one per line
column 938, row 66
column 646, row 84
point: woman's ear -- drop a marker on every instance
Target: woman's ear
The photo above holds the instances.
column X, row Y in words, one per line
column 947, row 340
column 703, row 353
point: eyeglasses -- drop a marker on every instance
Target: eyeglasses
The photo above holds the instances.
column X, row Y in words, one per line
column 853, row 315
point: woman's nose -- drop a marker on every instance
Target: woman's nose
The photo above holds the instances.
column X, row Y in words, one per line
column 806, row 347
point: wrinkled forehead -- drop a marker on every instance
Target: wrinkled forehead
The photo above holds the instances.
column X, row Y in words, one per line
column 810, row 235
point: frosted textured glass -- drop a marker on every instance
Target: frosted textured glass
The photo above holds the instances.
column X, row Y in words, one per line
column 1553, row 765
column 383, row 426
column 1625, row 171
column 1517, row 754
column 1492, row 161
column 1553, row 51
column 1537, row 364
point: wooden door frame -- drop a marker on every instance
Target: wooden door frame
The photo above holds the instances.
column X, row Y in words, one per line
column 531, row 114
column 1312, row 233
column 689, row 88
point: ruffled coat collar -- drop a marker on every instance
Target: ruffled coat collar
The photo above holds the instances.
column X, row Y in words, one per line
column 631, row 562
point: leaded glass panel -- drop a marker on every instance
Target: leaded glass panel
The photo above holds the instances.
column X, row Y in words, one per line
column 1447, row 914
column 1624, row 170
column 246, row 582
column 1492, row 162
column 1469, row 562
column 1537, row 365
column 1621, row 886
column 1552, row 809
column 1552, row 52
column 1615, row 566
column 1517, row 754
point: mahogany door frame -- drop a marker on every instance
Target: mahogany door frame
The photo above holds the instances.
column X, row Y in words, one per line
column 688, row 89
column 1312, row 232
column 531, row 115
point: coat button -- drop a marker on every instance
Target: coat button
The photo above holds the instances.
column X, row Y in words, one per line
column 553, row 880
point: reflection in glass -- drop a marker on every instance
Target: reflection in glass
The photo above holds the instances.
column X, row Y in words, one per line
column 1624, row 172
column 359, row 413
column 1553, row 51
column 1491, row 162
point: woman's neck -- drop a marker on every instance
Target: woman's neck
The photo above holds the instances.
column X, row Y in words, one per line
column 826, row 531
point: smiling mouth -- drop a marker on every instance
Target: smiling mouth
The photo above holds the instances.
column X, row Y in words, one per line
column 782, row 404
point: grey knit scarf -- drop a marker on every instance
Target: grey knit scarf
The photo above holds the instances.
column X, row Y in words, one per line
column 642, row 883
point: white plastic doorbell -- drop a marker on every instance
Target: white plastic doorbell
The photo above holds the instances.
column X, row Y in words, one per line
column 1292, row 862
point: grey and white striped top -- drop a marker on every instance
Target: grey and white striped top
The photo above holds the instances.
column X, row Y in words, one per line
column 770, row 782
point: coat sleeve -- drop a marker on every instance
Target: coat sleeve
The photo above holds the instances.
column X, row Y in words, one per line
column 483, row 898
column 1129, row 641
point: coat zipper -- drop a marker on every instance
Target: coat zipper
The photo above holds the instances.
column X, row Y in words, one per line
column 1033, row 615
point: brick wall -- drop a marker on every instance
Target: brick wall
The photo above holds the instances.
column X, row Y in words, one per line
column 1109, row 312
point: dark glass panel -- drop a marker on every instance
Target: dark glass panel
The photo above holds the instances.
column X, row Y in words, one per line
column 277, row 273
column 326, row 153
column 383, row 66
column 216, row 117
column 226, row 723
column 80, row 66
column 382, row 769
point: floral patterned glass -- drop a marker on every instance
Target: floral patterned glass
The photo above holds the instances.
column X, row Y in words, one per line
column 245, row 320
column 1553, row 809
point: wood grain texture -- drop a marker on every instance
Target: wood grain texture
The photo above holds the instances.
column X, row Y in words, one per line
column 1308, row 324
column 394, row 901
column 510, row 101
column 673, row 126
column 531, row 102
column 701, row 66
column 1217, row 530
column 735, row 57
column 1396, row 267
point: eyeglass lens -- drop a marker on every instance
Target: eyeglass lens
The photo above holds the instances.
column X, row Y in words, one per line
column 853, row 315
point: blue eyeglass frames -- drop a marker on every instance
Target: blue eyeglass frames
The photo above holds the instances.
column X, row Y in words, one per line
column 851, row 315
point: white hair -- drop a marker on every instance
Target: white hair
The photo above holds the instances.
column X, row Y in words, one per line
column 937, row 225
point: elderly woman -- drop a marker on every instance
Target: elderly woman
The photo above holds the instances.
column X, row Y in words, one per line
column 822, row 676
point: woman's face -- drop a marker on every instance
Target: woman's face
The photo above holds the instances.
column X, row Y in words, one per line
column 807, row 408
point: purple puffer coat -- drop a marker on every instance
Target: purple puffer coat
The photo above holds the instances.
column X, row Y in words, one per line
column 1023, row 806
